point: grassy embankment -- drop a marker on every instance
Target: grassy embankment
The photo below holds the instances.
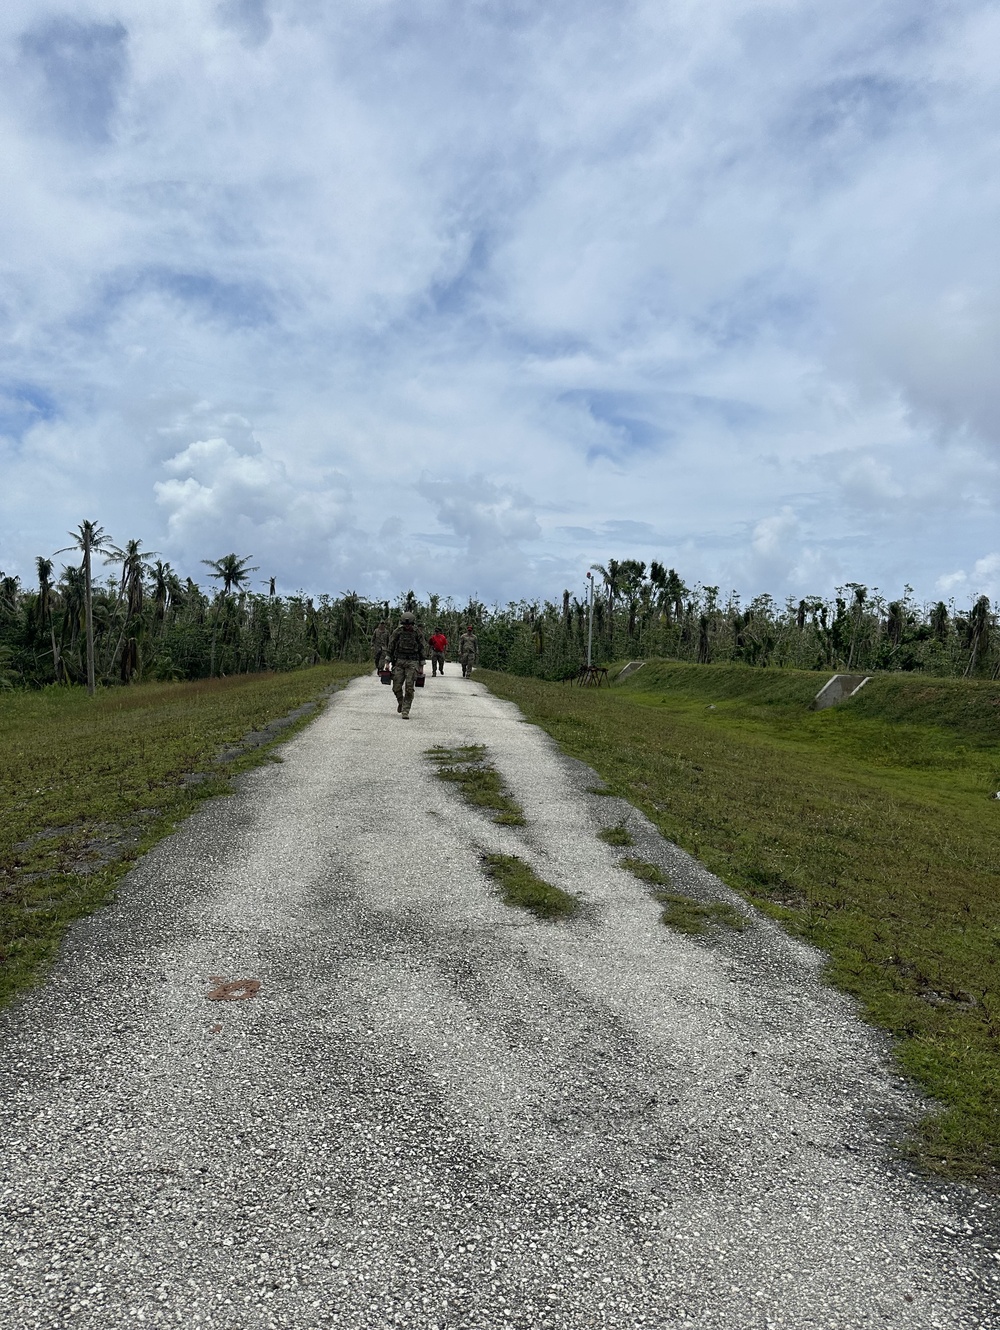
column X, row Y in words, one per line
column 89, row 784
column 867, row 829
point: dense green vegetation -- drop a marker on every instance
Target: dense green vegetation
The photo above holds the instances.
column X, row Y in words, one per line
column 88, row 784
column 642, row 613
column 143, row 621
column 867, row 829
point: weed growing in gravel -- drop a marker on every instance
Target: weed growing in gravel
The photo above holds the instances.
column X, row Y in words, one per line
column 87, row 785
column 480, row 783
column 646, row 871
column 693, row 917
column 681, row 912
column 619, row 834
column 865, row 829
column 520, row 885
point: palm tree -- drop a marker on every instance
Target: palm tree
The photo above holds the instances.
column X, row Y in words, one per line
column 43, row 607
column 895, row 622
column 978, row 631
column 704, row 646
column 674, row 592
column 611, row 576
column 658, row 585
column 166, row 591
column 88, row 537
column 860, row 596
column 631, row 576
column 133, row 560
column 74, row 613
column 231, row 571
column 350, row 611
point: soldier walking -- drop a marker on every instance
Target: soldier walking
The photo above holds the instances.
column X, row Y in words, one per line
column 468, row 651
column 438, row 644
column 380, row 641
column 407, row 651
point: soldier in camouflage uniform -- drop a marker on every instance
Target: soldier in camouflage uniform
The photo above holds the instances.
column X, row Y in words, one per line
column 468, row 651
column 407, row 651
column 380, row 640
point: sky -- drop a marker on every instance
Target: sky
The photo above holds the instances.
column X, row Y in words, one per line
column 465, row 296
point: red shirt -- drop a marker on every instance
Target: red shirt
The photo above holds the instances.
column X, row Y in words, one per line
column 438, row 642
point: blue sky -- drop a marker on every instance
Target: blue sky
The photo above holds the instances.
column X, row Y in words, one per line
column 465, row 296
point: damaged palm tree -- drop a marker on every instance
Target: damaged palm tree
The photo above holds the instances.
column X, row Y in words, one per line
column 88, row 537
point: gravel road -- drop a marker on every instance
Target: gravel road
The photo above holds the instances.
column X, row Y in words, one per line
column 438, row 1111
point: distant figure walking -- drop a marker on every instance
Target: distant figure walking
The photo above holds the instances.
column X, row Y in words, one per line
column 380, row 642
column 439, row 644
column 407, row 652
column 468, row 651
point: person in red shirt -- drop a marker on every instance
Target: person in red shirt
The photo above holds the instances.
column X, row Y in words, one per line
column 438, row 645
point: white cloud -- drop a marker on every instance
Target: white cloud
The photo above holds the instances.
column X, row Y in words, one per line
column 217, row 493
column 718, row 278
column 984, row 580
column 780, row 555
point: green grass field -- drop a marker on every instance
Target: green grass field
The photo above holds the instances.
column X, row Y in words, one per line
column 86, row 785
column 867, row 829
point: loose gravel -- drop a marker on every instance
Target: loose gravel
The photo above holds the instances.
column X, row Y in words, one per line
column 438, row 1111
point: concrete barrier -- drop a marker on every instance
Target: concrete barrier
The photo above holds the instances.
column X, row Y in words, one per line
column 838, row 689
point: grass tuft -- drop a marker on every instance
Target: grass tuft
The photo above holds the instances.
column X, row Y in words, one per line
column 681, row 912
column 520, row 885
column 696, row 918
column 619, row 834
column 646, row 871
column 480, row 783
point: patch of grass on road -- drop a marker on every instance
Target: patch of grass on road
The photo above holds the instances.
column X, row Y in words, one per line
column 682, row 912
column 645, row 871
column 619, row 834
column 480, row 783
column 87, row 785
column 520, row 885
column 697, row 918
column 866, row 829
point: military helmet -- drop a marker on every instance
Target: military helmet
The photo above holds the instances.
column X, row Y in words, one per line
column 407, row 617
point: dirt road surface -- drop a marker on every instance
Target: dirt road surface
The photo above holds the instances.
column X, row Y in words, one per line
column 438, row 1111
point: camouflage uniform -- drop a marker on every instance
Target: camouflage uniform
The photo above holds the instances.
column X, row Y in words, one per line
column 407, row 651
column 468, row 651
column 380, row 640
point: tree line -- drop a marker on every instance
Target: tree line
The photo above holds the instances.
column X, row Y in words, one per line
column 116, row 614
column 649, row 611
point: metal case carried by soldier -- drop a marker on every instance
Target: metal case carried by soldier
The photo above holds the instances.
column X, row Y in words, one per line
column 386, row 676
column 418, row 680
